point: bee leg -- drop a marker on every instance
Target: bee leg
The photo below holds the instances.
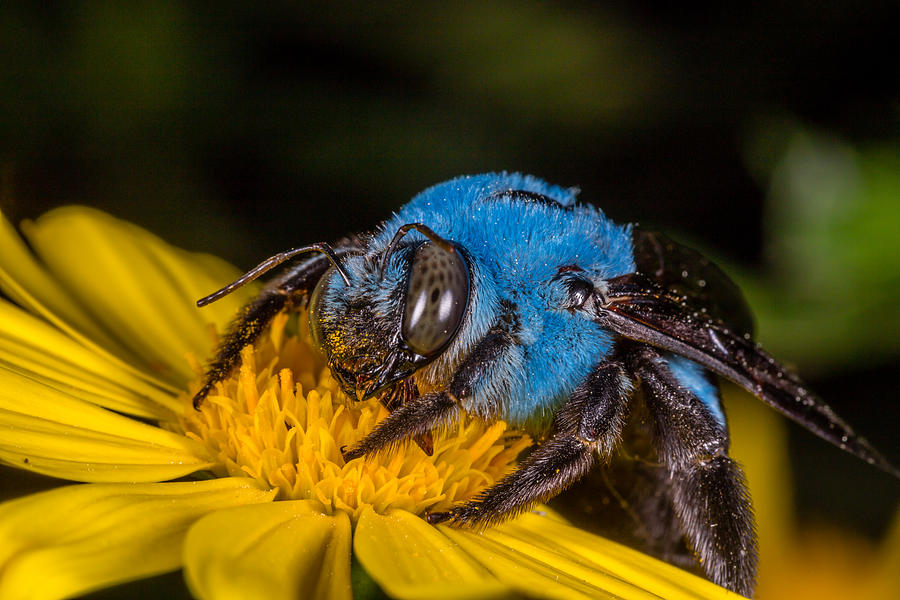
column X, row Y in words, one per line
column 417, row 417
column 707, row 487
column 245, row 329
column 293, row 286
column 399, row 395
column 588, row 424
column 422, row 414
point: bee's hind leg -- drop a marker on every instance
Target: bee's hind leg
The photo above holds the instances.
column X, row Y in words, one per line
column 707, row 487
column 589, row 423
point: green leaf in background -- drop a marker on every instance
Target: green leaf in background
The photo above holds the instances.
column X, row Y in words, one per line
column 832, row 283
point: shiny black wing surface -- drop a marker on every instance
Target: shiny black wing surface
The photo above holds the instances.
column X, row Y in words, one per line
column 640, row 309
column 686, row 272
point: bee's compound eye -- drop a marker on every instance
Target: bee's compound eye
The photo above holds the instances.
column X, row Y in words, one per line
column 315, row 309
column 435, row 299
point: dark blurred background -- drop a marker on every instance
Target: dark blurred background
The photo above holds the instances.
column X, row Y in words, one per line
column 765, row 134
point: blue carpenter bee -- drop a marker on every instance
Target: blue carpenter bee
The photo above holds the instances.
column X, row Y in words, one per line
column 507, row 300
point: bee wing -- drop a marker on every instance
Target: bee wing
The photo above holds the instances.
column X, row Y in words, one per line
column 639, row 309
column 686, row 272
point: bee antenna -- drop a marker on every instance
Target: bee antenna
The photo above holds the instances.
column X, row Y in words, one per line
column 421, row 228
column 269, row 264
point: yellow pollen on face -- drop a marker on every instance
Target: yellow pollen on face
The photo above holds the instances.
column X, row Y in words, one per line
column 282, row 420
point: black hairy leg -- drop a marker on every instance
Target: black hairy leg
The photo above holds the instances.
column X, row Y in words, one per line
column 588, row 424
column 707, row 487
column 291, row 288
column 415, row 418
column 246, row 328
column 422, row 414
column 400, row 394
column 629, row 500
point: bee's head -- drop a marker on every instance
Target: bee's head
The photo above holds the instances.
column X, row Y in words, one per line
column 384, row 315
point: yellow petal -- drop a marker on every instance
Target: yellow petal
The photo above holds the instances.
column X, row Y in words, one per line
column 135, row 285
column 45, row 430
column 411, row 559
column 283, row 550
column 536, row 552
column 74, row 539
column 32, row 346
column 27, row 282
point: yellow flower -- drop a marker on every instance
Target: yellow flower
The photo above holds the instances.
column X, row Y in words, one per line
column 99, row 350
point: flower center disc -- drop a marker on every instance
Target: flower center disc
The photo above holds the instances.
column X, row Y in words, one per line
column 282, row 420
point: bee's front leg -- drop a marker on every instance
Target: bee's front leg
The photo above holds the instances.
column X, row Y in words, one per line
column 589, row 423
column 401, row 394
column 414, row 418
column 246, row 328
column 424, row 413
column 290, row 288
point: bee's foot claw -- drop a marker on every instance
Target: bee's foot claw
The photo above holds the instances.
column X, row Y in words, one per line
column 438, row 517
